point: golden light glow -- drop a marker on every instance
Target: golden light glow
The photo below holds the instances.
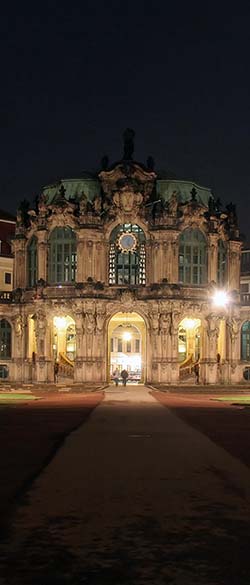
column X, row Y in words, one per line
column 220, row 298
column 60, row 322
column 126, row 336
column 188, row 323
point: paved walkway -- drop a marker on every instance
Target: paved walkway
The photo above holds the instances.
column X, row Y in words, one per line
column 135, row 496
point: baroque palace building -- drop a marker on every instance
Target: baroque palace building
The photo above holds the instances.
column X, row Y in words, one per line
column 126, row 269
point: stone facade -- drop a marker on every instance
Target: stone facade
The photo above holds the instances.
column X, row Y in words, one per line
column 159, row 284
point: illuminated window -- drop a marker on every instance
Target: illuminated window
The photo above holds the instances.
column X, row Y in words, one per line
column 62, row 255
column 5, row 339
column 192, row 257
column 222, row 263
column 127, row 255
column 32, row 262
column 245, row 341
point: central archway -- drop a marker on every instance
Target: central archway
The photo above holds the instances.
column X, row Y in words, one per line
column 127, row 346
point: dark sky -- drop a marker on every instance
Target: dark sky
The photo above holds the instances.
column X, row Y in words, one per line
column 75, row 75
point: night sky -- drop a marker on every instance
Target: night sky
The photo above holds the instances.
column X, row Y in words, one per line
column 75, row 75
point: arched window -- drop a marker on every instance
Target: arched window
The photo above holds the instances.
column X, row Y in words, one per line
column 62, row 255
column 222, row 263
column 5, row 339
column 32, row 261
column 245, row 341
column 192, row 257
column 127, row 256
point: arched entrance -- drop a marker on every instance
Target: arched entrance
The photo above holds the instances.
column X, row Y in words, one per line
column 189, row 345
column 64, row 345
column 127, row 346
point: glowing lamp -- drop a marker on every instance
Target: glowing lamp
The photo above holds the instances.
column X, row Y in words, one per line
column 60, row 322
column 126, row 336
column 189, row 323
column 220, row 298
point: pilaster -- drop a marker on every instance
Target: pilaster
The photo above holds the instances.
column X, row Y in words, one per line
column 212, row 257
column 42, row 254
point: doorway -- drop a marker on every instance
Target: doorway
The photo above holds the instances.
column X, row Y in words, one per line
column 127, row 346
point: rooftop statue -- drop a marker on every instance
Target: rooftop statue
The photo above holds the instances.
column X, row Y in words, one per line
column 128, row 139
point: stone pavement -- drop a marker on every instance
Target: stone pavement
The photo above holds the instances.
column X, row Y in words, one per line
column 135, row 496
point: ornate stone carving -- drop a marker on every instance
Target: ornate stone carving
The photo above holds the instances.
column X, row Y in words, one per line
column 90, row 322
column 126, row 200
column 165, row 323
column 100, row 319
column 128, row 299
column 40, row 323
column 233, row 326
column 154, row 321
column 212, row 326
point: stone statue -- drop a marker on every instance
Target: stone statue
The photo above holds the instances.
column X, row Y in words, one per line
column 165, row 321
column 40, row 323
column 18, row 324
column 175, row 322
column 83, row 203
column 89, row 322
column 97, row 204
column 128, row 138
column 100, row 318
column 154, row 319
column 234, row 328
column 173, row 204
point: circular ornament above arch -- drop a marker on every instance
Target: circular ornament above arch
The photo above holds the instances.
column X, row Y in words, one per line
column 127, row 242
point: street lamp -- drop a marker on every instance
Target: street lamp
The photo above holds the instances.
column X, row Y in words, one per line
column 220, row 298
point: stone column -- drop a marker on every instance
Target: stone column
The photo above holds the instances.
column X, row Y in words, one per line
column 89, row 367
column 99, row 342
column 233, row 333
column 174, row 331
column 42, row 254
column 154, row 343
column 19, row 251
column 100, row 261
column 78, row 371
column 149, row 261
column 42, row 336
column 18, row 345
column 212, row 257
column 165, row 346
column 234, row 265
column 80, row 260
column 209, row 361
column 156, row 261
column 174, row 258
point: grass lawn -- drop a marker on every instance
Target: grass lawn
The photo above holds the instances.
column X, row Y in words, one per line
column 6, row 397
column 234, row 399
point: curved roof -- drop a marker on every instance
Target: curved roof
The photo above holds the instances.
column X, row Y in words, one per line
column 91, row 186
column 74, row 188
column 166, row 187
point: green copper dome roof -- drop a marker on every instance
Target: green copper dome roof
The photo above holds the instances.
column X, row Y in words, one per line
column 90, row 186
column 166, row 187
column 74, row 188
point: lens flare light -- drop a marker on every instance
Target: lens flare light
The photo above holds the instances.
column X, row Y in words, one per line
column 126, row 336
column 220, row 298
column 60, row 322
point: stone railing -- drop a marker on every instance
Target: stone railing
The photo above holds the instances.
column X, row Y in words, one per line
column 5, row 296
column 245, row 298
